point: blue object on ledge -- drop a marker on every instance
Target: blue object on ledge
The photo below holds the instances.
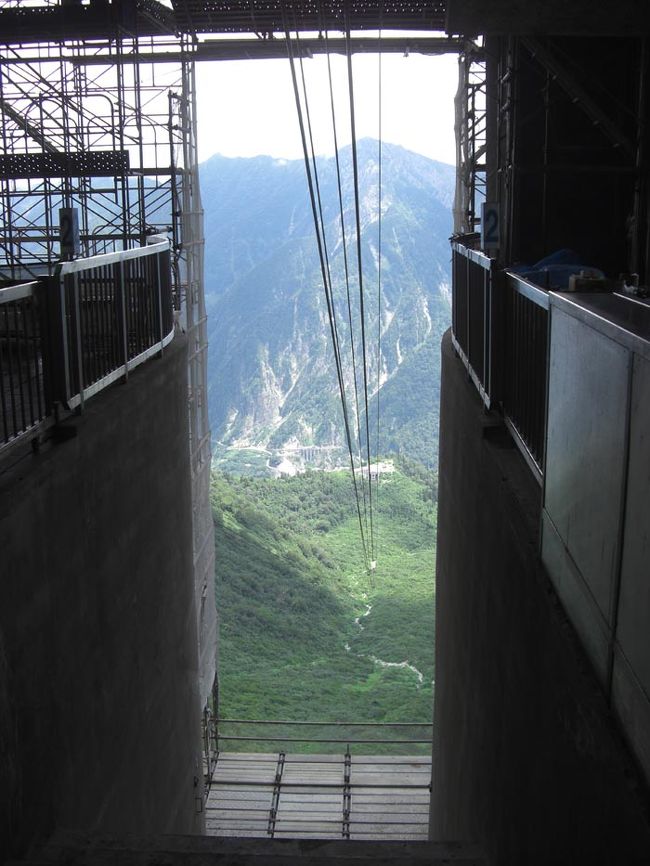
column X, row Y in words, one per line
column 554, row 270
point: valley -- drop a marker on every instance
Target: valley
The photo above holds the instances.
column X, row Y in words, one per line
column 306, row 632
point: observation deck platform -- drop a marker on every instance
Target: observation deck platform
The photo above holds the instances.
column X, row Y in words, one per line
column 301, row 796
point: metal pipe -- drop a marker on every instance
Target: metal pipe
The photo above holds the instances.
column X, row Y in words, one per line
column 320, row 740
column 335, row 785
column 256, row 49
column 326, row 724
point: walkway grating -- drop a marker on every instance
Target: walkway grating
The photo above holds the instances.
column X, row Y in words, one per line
column 282, row 795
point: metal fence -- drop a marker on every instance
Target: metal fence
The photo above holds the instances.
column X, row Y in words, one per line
column 237, row 732
column 264, row 735
column 500, row 331
column 473, row 315
column 66, row 337
column 526, row 365
column 309, row 737
column 22, row 385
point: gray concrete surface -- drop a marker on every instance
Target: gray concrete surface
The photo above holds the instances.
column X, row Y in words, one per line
column 99, row 709
column 74, row 850
column 527, row 759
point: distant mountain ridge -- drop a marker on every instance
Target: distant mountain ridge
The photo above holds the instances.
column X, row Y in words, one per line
column 272, row 381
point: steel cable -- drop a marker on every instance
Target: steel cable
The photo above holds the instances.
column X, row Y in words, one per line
column 357, row 209
column 344, row 243
column 326, row 284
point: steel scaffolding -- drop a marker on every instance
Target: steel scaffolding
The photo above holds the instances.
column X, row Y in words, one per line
column 471, row 140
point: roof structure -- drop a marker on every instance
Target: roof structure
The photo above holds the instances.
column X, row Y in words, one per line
column 20, row 24
column 272, row 16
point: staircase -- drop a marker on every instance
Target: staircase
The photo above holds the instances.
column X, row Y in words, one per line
column 70, row 849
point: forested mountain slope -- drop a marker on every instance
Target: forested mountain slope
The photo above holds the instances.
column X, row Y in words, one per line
column 306, row 632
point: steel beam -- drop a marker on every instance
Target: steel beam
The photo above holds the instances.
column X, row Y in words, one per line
column 576, row 92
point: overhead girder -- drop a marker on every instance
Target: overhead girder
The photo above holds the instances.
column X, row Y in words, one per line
column 24, row 25
column 271, row 16
column 267, row 49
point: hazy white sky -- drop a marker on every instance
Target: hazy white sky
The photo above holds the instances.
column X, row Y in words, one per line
column 247, row 107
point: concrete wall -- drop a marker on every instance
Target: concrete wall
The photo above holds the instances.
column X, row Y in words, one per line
column 527, row 758
column 99, row 707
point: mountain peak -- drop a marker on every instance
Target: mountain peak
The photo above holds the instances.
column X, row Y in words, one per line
column 272, row 378
column 367, row 148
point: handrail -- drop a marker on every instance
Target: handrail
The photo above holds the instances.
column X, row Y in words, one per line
column 476, row 256
column 217, row 736
column 529, row 290
column 66, row 337
column 103, row 259
column 324, row 740
column 326, row 724
column 17, row 293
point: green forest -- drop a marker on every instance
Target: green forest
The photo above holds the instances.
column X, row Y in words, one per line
column 307, row 634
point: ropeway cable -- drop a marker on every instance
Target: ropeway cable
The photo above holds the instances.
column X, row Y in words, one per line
column 327, row 286
column 357, row 209
column 379, row 250
column 344, row 243
column 337, row 346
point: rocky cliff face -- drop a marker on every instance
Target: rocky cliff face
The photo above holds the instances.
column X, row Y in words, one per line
column 272, row 376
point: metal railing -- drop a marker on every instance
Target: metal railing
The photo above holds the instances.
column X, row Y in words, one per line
column 66, row 337
column 116, row 312
column 500, row 331
column 526, row 367
column 304, row 736
column 318, row 762
column 261, row 734
column 22, row 385
column 473, row 315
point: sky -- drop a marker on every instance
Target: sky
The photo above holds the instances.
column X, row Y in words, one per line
column 247, row 108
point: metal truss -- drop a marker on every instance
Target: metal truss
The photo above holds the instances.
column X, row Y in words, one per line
column 94, row 137
column 471, row 139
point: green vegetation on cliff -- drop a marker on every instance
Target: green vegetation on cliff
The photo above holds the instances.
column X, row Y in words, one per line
column 290, row 584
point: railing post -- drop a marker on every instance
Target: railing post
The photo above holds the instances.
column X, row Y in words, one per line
column 347, row 792
column 497, row 333
column 120, row 302
column 55, row 342
column 46, row 289
column 78, row 338
column 487, row 290
column 468, row 307
column 159, row 296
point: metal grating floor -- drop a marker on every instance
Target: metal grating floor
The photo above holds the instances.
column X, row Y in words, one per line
column 319, row 796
